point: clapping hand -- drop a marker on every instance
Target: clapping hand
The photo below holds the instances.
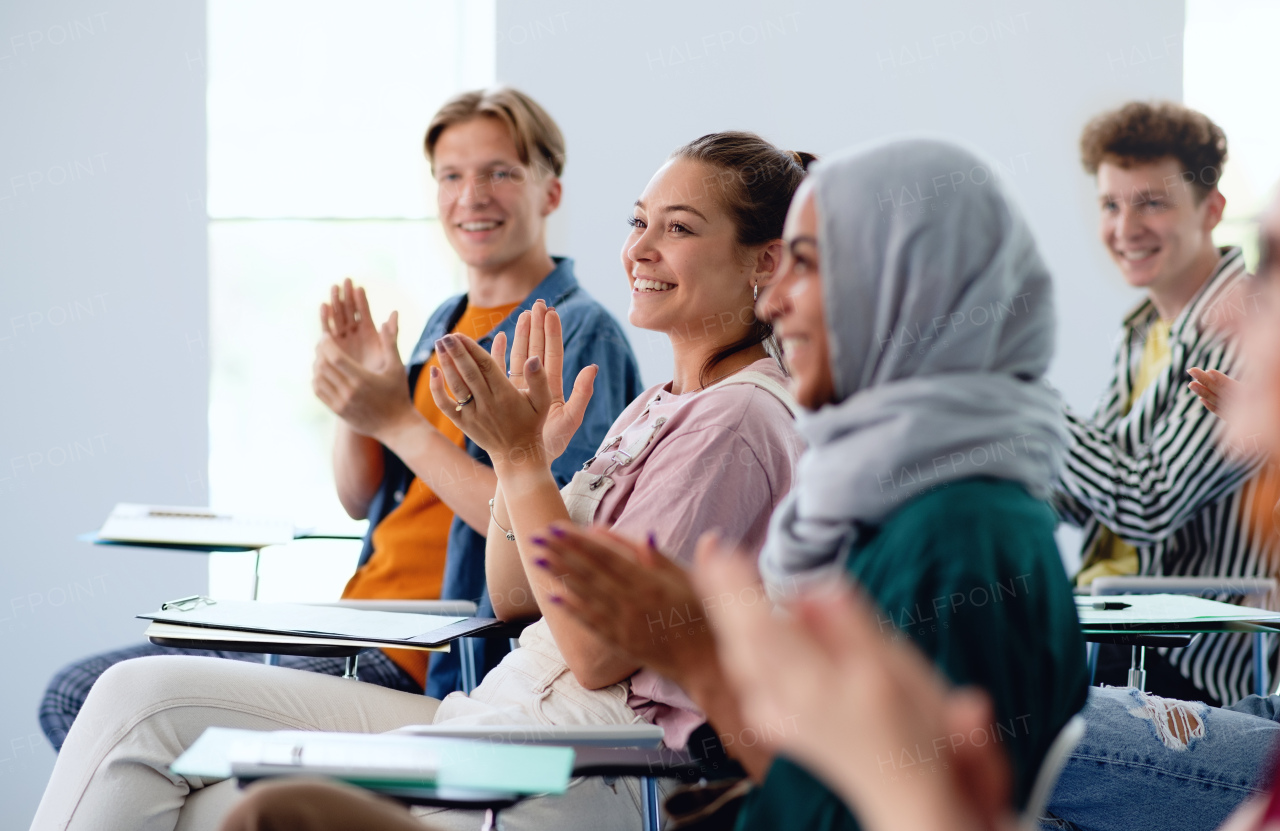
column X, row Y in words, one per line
column 631, row 595
column 1215, row 389
column 357, row 372
column 518, row 418
column 347, row 320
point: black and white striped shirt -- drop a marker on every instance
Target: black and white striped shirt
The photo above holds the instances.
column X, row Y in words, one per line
column 1158, row 477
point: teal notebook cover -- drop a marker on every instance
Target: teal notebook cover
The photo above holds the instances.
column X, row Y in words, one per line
column 476, row 765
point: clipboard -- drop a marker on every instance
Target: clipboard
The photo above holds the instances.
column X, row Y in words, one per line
column 381, row 628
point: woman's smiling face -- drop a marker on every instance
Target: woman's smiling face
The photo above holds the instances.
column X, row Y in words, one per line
column 688, row 275
column 794, row 304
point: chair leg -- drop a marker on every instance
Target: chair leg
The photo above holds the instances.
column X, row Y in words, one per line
column 1091, row 655
column 1138, row 668
column 467, row 664
column 649, row 803
column 271, row 660
column 1261, row 682
column 350, row 668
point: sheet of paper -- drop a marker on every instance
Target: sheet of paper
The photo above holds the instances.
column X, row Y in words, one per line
column 480, row 765
column 304, row 754
column 1165, row 608
column 174, row 524
column 300, row 619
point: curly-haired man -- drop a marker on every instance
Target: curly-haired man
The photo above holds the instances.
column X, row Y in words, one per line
column 1147, row 476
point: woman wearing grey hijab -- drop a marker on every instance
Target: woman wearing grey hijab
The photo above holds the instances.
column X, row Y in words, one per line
column 940, row 326
column 916, row 319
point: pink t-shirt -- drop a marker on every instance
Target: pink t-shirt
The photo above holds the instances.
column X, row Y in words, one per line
column 722, row 461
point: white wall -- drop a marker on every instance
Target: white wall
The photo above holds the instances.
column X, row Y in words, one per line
column 103, row 285
column 1017, row 80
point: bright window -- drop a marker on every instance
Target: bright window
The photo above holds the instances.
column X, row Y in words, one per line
column 316, row 115
column 1227, row 64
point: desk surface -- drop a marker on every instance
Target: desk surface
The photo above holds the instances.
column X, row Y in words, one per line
column 192, row 548
column 229, row 640
column 588, row 761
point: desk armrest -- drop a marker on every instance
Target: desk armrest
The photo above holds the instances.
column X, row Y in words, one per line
column 614, row 761
column 462, row 608
column 578, row 735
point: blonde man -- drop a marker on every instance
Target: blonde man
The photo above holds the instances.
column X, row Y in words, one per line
column 497, row 156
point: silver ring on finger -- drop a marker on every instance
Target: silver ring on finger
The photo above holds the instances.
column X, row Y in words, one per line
column 464, row 402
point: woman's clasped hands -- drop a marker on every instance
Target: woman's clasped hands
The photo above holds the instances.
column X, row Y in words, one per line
column 521, row 416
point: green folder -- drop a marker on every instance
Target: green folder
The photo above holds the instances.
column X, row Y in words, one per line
column 462, row 764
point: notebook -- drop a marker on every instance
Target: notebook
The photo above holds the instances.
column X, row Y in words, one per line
column 177, row 525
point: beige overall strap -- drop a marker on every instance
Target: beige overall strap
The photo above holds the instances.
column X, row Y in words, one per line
column 764, row 382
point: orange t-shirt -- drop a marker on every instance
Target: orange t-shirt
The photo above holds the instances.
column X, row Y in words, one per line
column 409, row 544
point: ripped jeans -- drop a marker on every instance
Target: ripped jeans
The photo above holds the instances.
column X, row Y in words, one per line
column 1151, row 762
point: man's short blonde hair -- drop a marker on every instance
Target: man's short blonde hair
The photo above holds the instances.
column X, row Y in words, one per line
column 539, row 142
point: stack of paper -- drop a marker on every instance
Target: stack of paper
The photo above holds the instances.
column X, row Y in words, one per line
column 176, row 525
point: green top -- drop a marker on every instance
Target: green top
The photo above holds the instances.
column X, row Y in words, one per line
column 971, row 573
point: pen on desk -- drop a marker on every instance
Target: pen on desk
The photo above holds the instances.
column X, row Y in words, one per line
column 1109, row 605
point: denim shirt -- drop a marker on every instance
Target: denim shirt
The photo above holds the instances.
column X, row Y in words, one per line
column 591, row 336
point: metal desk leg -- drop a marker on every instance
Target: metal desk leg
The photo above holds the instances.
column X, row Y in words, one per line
column 349, row 670
column 271, row 660
column 649, row 803
column 257, row 561
column 1261, row 681
column 1091, row 656
column 467, row 662
column 1138, row 668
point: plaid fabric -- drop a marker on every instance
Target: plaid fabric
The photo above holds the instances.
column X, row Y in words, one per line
column 70, row 686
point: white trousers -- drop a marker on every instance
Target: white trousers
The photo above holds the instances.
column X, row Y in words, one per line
column 113, row 772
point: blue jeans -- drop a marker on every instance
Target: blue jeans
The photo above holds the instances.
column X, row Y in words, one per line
column 1151, row 762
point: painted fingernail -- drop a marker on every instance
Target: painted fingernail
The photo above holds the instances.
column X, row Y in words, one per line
column 435, row 372
column 535, row 364
column 653, row 541
column 449, row 341
column 539, row 541
column 558, row 532
column 542, row 562
column 556, row 599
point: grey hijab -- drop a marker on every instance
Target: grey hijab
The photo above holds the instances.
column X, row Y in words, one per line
column 941, row 326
